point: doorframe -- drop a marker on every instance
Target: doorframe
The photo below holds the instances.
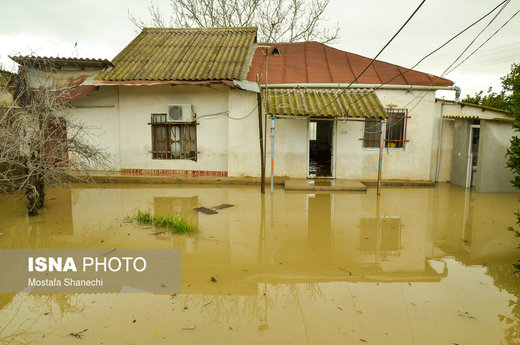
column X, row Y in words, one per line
column 333, row 141
column 469, row 163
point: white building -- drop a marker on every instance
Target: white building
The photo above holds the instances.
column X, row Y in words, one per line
column 184, row 102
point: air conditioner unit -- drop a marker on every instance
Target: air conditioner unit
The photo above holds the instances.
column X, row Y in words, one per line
column 180, row 113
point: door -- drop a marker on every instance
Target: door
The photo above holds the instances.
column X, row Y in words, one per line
column 474, row 138
column 321, row 149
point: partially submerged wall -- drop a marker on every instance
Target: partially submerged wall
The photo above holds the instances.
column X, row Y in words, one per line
column 459, row 162
column 492, row 173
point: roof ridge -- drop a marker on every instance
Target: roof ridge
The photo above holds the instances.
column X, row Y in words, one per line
column 223, row 28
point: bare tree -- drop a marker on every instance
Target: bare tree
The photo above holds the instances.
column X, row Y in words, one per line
column 277, row 20
column 41, row 144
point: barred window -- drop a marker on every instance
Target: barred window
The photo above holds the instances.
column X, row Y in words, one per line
column 395, row 130
column 173, row 140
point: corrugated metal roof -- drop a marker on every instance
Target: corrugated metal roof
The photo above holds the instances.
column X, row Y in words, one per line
column 361, row 103
column 313, row 62
column 479, row 117
column 44, row 62
column 185, row 54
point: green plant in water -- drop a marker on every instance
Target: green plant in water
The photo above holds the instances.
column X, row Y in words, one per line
column 177, row 222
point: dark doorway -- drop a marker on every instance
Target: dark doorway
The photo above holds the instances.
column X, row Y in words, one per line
column 320, row 148
column 475, row 138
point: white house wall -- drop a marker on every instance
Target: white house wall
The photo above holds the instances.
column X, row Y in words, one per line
column 99, row 112
column 243, row 139
column 229, row 142
column 136, row 104
column 352, row 161
column 415, row 162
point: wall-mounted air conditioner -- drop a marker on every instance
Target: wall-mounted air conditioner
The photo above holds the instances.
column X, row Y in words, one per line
column 180, row 113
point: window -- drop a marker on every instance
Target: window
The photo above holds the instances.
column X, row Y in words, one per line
column 395, row 130
column 173, row 140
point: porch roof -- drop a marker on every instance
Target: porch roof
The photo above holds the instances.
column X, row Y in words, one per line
column 358, row 103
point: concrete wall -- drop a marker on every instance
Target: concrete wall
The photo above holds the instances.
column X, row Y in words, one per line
column 136, row 104
column 243, row 138
column 99, row 113
column 446, row 151
column 446, row 146
column 468, row 110
column 352, row 161
column 492, row 173
column 459, row 162
column 119, row 118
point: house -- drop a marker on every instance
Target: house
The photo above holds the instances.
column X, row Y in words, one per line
column 322, row 81
column 475, row 141
column 187, row 102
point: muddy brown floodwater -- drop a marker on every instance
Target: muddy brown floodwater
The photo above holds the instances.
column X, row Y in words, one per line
column 416, row 266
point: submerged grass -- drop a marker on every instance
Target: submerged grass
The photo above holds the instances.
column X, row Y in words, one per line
column 176, row 222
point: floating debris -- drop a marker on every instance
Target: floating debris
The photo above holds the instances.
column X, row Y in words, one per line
column 212, row 210
column 205, row 210
column 222, row 206
column 78, row 335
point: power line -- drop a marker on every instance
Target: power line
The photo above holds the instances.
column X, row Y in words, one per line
column 427, row 55
column 379, row 53
column 490, row 37
column 476, row 37
column 446, row 71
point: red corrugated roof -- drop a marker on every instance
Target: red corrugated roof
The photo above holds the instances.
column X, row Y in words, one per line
column 313, row 62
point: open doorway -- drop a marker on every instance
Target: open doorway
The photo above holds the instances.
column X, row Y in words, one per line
column 474, row 138
column 320, row 148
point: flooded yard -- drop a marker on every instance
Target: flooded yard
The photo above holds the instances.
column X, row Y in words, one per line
column 415, row 266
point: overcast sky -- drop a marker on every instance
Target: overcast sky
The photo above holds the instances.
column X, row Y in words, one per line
column 102, row 28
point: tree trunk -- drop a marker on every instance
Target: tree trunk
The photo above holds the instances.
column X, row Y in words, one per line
column 32, row 199
column 40, row 189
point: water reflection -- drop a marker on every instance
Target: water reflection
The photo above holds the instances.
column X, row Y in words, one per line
column 294, row 267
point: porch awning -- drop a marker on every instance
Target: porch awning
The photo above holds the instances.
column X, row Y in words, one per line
column 479, row 117
column 359, row 103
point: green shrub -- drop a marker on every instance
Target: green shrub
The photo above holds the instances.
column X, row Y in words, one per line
column 177, row 222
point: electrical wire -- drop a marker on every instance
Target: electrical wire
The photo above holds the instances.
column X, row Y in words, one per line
column 477, row 36
column 377, row 55
column 226, row 113
column 446, row 71
column 490, row 37
column 433, row 51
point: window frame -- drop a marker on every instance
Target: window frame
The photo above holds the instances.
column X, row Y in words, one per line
column 183, row 128
column 399, row 142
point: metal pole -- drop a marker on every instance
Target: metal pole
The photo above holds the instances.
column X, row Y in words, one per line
column 381, row 149
column 266, row 52
column 261, row 136
column 272, row 153
column 439, row 149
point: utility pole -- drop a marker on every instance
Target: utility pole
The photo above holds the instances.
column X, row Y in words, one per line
column 381, row 149
column 260, row 136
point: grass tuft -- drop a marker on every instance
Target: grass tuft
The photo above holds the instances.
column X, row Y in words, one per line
column 177, row 222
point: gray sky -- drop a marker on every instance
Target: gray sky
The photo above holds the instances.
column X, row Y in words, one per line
column 102, row 29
